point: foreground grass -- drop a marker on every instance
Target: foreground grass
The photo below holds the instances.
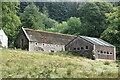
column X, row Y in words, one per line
column 24, row 64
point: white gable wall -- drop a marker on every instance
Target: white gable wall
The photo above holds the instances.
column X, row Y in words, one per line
column 3, row 39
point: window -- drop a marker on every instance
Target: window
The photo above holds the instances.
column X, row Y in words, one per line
column 81, row 48
column 110, row 52
column 86, row 47
column 101, row 51
column 52, row 50
column 104, row 52
column 74, row 48
column 98, row 51
column 107, row 52
column 78, row 48
column 36, row 43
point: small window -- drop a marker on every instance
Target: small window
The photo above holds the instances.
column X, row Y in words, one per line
column 104, row 52
column 110, row 52
column 101, row 51
column 52, row 50
column 98, row 51
column 78, row 48
column 86, row 47
column 74, row 48
column 36, row 43
column 81, row 48
column 107, row 52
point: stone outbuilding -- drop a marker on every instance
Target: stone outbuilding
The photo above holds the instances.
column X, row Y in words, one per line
column 35, row 40
column 3, row 39
column 92, row 47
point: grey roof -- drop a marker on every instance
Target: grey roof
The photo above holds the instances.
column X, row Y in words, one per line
column 96, row 41
column 47, row 37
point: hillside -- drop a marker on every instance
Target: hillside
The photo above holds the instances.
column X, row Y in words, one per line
column 24, row 64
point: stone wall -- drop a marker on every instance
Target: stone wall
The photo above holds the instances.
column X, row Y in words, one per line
column 79, row 44
column 36, row 46
column 104, row 52
column 22, row 42
column 80, row 47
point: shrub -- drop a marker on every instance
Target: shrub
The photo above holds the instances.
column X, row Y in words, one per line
column 69, row 71
column 117, row 65
column 106, row 63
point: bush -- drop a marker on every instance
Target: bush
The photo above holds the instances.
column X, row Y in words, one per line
column 117, row 65
column 106, row 63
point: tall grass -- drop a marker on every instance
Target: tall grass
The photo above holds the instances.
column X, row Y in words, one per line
column 24, row 64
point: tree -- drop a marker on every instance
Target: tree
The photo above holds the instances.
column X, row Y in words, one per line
column 48, row 22
column 45, row 11
column 0, row 16
column 59, row 27
column 59, row 11
column 10, row 21
column 74, row 26
column 112, row 33
column 23, row 5
column 31, row 17
column 92, row 15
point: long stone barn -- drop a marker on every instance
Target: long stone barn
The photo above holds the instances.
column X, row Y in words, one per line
column 35, row 40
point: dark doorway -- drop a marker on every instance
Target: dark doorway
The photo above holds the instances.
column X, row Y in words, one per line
column 22, row 41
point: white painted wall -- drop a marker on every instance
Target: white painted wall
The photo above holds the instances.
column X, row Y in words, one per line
column 3, row 39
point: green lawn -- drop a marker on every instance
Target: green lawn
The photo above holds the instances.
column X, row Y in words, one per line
column 24, row 64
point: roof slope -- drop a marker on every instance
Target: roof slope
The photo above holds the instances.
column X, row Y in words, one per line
column 96, row 41
column 48, row 37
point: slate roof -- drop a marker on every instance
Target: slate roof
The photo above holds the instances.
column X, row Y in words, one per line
column 47, row 37
column 96, row 41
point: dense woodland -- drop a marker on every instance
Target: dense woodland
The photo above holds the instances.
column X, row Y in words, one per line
column 94, row 19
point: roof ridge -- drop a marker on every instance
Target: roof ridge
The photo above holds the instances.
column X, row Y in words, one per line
column 102, row 42
column 91, row 37
column 48, row 32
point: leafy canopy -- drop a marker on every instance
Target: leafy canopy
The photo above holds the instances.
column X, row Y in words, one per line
column 10, row 20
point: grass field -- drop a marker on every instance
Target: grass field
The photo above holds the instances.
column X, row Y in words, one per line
column 24, row 64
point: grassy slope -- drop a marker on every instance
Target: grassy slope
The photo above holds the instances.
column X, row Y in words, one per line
column 19, row 64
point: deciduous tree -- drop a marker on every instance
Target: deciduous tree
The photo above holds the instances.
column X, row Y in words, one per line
column 10, row 20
